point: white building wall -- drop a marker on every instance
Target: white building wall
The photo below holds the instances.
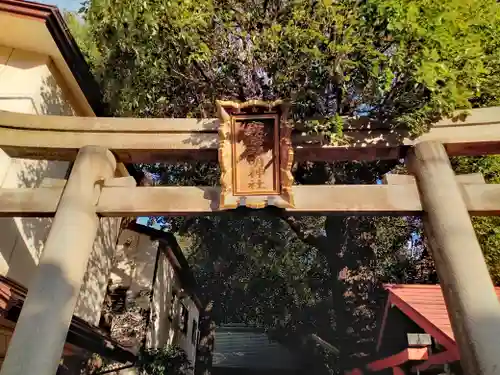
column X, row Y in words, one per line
column 30, row 84
column 134, row 261
column 164, row 329
column 134, row 268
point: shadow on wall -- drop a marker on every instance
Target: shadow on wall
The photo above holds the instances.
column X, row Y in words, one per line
column 163, row 320
column 133, row 271
column 23, row 238
column 163, row 289
column 53, row 100
column 19, row 262
column 144, row 259
column 94, row 284
column 120, row 274
column 134, row 262
column 174, row 333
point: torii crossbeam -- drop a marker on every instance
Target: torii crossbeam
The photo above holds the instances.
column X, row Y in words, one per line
column 444, row 200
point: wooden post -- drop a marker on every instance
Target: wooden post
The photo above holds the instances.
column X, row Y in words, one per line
column 41, row 330
column 470, row 297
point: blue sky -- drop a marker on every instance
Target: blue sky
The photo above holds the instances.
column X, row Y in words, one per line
column 64, row 4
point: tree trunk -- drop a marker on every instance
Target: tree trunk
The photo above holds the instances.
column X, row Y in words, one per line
column 332, row 251
column 204, row 357
column 340, row 249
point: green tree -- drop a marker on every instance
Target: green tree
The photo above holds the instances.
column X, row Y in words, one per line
column 169, row 360
column 404, row 62
column 487, row 228
column 82, row 33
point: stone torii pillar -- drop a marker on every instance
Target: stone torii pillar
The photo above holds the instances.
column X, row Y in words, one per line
column 473, row 306
column 40, row 333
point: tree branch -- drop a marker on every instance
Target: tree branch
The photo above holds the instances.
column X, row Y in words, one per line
column 315, row 241
column 184, row 227
column 192, row 255
column 202, row 72
column 115, row 369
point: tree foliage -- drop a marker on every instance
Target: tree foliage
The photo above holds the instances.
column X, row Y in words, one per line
column 487, row 228
column 402, row 62
column 168, row 360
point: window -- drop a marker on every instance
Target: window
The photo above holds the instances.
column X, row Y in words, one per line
column 118, row 299
column 173, row 305
column 183, row 319
column 194, row 332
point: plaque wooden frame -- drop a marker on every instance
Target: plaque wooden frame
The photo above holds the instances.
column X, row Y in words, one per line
column 230, row 197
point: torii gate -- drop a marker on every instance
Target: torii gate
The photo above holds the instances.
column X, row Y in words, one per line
column 96, row 145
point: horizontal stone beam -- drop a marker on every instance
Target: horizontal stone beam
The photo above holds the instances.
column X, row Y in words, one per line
column 481, row 199
column 152, row 140
column 30, row 202
column 405, row 179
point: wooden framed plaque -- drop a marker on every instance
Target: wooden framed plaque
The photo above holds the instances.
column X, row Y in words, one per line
column 255, row 154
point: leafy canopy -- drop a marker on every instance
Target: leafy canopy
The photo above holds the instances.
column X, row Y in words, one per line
column 401, row 61
column 487, row 228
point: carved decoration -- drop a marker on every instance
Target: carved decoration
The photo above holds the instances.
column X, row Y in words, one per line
column 255, row 154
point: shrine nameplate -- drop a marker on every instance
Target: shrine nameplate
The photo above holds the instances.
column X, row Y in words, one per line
column 255, row 154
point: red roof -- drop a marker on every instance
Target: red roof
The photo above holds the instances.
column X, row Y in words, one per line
column 424, row 304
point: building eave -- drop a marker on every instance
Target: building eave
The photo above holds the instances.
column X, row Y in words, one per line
column 175, row 257
column 67, row 46
column 81, row 334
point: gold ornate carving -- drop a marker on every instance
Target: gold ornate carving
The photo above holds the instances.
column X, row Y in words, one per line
column 255, row 154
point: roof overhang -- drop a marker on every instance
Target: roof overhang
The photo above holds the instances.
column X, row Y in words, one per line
column 81, row 335
column 394, row 300
column 174, row 255
column 396, row 360
column 424, row 359
column 41, row 28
